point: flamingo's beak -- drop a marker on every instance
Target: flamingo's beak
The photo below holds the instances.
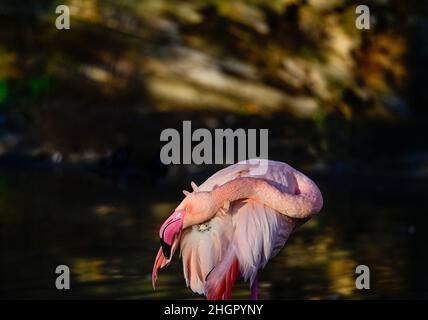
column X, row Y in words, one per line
column 169, row 230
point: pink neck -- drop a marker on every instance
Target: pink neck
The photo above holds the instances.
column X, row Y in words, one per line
column 308, row 202
column 241, row 188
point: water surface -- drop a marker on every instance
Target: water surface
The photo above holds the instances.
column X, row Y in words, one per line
column 107, row 233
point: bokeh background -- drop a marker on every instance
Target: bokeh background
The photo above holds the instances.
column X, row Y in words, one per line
column 81, row 112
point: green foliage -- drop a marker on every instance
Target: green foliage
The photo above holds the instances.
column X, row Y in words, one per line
column 38, row 85
column 319, row 119
column 4, row 91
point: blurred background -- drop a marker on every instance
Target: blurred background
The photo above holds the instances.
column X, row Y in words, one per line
column 81, row 112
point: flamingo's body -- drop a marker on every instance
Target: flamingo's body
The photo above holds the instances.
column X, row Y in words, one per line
column 256, row 209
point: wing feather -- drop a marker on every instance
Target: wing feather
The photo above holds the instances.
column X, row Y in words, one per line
column 262, row 231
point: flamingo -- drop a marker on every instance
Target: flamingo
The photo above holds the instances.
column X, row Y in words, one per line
column 234, row 223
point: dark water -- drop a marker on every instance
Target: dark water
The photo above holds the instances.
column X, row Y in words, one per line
column 106, row 232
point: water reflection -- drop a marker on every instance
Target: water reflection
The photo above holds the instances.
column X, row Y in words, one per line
column 107, row 235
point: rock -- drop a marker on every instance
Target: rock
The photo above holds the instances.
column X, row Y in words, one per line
column 324, row 5
column 193, row 79
column 243, row 13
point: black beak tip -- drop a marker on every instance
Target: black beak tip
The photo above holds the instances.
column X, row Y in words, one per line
column 166, row 248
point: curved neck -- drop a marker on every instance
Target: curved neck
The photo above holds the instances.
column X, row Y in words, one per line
column 308, row 202
column 240, row 188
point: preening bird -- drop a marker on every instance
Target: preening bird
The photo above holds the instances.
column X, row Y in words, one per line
column 234, row 223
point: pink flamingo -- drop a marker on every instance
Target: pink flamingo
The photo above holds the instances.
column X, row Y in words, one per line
column 234, row 223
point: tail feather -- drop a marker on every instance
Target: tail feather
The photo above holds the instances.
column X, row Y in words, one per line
column 220, row 280
column 233, row 275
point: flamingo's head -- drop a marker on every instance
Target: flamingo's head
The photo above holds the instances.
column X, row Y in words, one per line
column 196, row 208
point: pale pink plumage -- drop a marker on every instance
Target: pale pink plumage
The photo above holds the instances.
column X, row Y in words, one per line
column 240, row 239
